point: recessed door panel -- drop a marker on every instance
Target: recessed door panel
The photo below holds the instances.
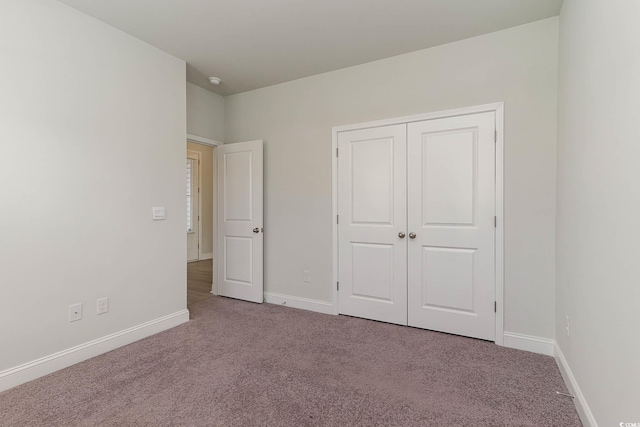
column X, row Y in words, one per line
column 372, row 271
column 448, row 278
column 237, row 186
column 372, row 201
column 238, row 256
column 372, row 177
column 448, row 173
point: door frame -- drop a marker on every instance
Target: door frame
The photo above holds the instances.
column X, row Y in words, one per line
column 498, row 109
column 211, row 143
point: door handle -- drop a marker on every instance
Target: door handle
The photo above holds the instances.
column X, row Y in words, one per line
column 401, row 235
column 256, row 230
column 412, row 235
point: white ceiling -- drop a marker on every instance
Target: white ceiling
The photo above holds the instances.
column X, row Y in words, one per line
column 256, row 43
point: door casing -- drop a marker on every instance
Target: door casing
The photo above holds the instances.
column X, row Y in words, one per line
column 498, row 109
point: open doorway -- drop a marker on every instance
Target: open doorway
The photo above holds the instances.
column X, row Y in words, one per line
column 200, row 181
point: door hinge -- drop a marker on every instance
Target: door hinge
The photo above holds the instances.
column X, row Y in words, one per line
column 337, row 219
column 338, row 285
column 495, row 136
column 495, row 222
column 495, row 306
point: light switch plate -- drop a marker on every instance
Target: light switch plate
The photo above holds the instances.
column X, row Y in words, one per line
column 158, row 213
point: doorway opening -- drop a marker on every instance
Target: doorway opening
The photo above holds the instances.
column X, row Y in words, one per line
column 200, row 182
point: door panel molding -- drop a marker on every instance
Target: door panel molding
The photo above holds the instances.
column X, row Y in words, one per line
column 498, row 109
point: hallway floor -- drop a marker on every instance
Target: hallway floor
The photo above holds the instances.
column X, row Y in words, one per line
column 199, row 279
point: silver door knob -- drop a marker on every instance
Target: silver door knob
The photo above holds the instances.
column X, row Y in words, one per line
column 256, row 230
column 401, row 235
column 412, row 235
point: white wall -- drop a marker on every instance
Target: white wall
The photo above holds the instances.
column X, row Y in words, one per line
column 205, row 113
column 598, row 281
column 517, row 66
column 92, row 135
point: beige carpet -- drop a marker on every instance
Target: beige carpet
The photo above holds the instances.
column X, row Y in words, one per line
column 244, row 364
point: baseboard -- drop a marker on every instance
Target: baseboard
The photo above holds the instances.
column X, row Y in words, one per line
column 529, row 343
column 582, row 407
column 62, row 359
column 297, row 302
column 206, row 256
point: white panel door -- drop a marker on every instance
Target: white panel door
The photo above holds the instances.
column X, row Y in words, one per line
column 372, row 203
column 240, row 221
column 193, row 206
column 451, row 193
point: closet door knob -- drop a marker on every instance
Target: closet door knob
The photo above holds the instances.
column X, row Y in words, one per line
column 256, row 230
column 401, row 235
column 412, row 235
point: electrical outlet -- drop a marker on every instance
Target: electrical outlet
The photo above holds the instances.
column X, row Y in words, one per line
column 307, row 276
column 102, row 305
column 75, row 312
column 568, row 324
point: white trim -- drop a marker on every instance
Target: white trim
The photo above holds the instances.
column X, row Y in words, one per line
column 529, row 343
column 62, row 359
column 202, row 140
column 497, row 106
column 334, row 216
column 498, row 109
column 214, row 174
column 499, row 235
column 297, row 302
column 206, row 256
column 584, row 412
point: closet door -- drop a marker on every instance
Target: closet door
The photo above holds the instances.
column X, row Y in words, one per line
column 451, row 190
column 372, row 213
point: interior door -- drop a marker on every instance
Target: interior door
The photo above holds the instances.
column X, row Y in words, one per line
column 240, row 220
column 451, row 188
column 193, row 208
column 372, row 215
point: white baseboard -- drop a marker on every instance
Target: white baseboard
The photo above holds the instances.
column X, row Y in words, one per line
column 529, row 343
column 206, row 256
column 62, row 359
column 297, row 302
column 583, row 409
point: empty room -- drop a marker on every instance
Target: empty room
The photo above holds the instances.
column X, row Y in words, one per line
column 319, row 213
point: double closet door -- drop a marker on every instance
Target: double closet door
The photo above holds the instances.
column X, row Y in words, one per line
column 416, row 232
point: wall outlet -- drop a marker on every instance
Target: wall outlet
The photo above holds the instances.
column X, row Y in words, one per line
column 307, row 276
column 102, row 305
column 567, row 327
column 75, row 312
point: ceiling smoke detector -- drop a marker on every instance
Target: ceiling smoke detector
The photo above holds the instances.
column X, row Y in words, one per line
column 214, row 81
